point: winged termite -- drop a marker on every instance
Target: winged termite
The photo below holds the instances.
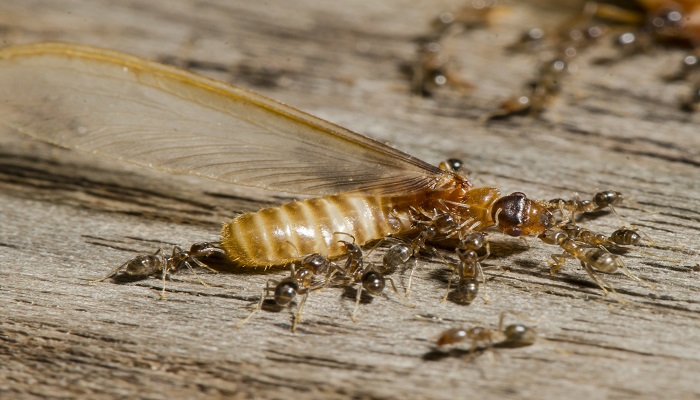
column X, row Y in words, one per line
column 121, row 106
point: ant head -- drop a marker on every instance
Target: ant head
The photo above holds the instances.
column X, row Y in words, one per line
column 516, row 215
column 352, row 250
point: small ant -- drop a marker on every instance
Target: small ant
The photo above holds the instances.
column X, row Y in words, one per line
column 592, row 259
column 620, row 237
column 300, row 281
column 145, row 265
column 370, row 278
column 599, row 201
column 469, row 267
column 514, row 335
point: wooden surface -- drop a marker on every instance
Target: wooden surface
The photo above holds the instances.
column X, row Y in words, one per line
column 67, row 217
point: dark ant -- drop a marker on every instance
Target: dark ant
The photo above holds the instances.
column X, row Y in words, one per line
column 370, row 278
column 300, row 281
column 143, row 266
column 468, row 269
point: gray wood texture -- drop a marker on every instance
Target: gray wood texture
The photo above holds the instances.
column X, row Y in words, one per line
column 68, row 217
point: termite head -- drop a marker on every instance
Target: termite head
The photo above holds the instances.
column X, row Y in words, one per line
column 516, row 215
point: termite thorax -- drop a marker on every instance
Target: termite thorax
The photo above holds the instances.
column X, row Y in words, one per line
column 516, row 215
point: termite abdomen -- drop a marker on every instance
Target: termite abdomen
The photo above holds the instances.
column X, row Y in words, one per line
column 280, row 235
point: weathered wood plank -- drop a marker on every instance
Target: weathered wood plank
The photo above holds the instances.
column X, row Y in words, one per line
column 66, row 217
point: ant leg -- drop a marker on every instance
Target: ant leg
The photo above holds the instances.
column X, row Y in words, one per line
column 357, row 302
column 297, row 315
column 401, row 299
column 205, row 266
column 263, row 295
column 449, row 284
column 410, row 278
column 111, row 274
column 165, row 275
column 189, row 267
column 559, row 262
column 480, row 272
column 601, row 282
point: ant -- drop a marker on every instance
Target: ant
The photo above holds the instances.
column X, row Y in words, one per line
column 370, row 278
column 620, row 237
column 600, row 201
column 300, row 281
column 514, row 335
column 145, row 265
column 469, row 267
column 593, row 258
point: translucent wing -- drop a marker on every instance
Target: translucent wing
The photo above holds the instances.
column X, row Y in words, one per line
column 150, row 114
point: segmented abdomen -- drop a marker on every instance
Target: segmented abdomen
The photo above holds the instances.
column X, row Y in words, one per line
column 279, row 235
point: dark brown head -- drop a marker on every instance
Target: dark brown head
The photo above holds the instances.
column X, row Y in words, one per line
column 516, row 215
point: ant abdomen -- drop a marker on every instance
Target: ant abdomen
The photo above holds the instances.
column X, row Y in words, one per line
column 517, row 335
column 373, row 282
column 396, row 256
column 600, row 260
column 467, row 290
column 285, row 293
column 143, row 266
column 626, row 237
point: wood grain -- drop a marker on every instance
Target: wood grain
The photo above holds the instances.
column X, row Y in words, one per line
column 66, row 218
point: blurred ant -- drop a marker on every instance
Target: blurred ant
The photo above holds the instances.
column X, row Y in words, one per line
column 513, row 335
